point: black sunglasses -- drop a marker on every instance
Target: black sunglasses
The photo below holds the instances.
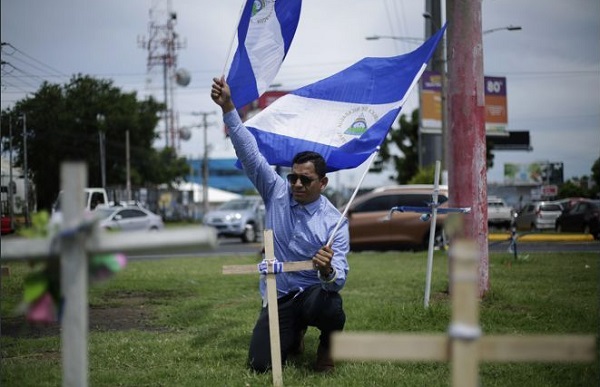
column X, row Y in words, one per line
column 304, row 180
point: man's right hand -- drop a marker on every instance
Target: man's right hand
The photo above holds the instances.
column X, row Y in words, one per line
column 221, row 94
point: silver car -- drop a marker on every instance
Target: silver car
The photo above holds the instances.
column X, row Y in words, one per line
column 538, row 216
column 128, row 218
column 242, row 218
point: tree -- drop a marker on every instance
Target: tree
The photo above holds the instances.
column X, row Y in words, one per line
column 596, row 173
column 406, row 138
column 425, row 175
column 66, row 123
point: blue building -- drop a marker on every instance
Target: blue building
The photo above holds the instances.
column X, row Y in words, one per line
column 222, row 174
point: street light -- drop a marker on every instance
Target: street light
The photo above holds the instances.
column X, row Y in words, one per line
column 402, row 38
column 439, row 65
column 442, row 62
column 100, row 118
column 508, row 28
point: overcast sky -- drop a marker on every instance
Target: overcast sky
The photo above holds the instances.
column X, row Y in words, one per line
column 552, row 65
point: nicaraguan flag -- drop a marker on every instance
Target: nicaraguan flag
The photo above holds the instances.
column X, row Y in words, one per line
column 344, row 117
column 265, row 33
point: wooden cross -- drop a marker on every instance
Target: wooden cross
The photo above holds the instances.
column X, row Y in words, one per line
column 271, row 298
column 464, row 344
column 78, row 239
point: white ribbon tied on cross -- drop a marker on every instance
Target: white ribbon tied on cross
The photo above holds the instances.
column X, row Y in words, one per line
column 263, row 266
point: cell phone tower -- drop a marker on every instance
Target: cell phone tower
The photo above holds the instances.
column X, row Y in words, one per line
column 162, row 44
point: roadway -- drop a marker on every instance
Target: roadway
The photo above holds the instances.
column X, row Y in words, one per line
column 526, row 243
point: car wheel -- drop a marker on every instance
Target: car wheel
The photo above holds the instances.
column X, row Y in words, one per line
column 439, row 241
column 249, row 234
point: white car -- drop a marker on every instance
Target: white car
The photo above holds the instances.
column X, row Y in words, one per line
column 499, row 214
column 128, row 218
column 538, row 216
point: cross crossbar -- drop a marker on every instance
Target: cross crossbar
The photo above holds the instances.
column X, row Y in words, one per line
column 493, row 348
column 185, row 240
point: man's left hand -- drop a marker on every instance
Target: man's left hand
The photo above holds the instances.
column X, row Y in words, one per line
column 322, row 261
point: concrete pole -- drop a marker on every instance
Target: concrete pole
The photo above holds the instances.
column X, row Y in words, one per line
column 466, row 125
column 433, row 24
column 11, row 183
column 25, row 172
column 205, row 171
column 128, row 166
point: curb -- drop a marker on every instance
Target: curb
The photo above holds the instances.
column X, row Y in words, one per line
column 543, row 237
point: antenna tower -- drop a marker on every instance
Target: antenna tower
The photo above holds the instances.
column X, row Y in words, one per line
column 162, row 44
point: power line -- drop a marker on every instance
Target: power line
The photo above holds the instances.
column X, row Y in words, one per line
column 5, row 44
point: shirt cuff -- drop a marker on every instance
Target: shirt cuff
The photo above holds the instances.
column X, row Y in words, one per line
column 330, row 278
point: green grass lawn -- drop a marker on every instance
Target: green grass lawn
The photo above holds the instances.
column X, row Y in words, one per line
column 180, row 322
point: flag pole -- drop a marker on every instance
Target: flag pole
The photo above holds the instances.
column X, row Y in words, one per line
column 337, row 226
column 233, row 37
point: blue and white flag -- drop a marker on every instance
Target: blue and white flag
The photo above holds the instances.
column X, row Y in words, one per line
column 265, row 33
column 344, row 117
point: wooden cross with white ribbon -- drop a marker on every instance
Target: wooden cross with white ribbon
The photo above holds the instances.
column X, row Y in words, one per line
column 76, row 241
column 271, row 298
column 464, row 345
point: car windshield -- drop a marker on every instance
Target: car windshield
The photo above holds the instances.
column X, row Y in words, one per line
column 56, row 205
column 550, row 207
column 237, row 205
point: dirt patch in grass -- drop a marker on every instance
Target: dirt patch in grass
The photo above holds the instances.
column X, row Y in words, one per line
column 125, row 312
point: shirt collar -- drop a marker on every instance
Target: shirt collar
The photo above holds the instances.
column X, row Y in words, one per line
column 311, row 208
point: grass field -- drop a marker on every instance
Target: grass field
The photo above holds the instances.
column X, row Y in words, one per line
column 180, row 322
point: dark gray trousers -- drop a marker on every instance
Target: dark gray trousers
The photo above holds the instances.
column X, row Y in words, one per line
column 313, row 307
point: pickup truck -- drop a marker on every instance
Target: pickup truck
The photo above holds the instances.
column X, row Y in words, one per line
column 499, row 214
column 93, row 197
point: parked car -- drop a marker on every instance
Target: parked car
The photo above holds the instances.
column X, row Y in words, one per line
column 568, row 203
column 582, row 217
column 243, row 218
column 538, row 216
column 373, row 227
column 499, row 214
column 6, row 227
column 129, row 218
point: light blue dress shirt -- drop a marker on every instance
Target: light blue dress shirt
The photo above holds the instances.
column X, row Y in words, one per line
column 299, row 231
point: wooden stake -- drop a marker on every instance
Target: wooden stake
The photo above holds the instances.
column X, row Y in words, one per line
column 271, row 298
column 273, row 311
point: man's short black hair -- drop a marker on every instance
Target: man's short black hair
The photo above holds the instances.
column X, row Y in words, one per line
column 315, row 158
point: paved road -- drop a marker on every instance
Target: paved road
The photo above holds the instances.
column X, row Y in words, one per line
column 231, row 246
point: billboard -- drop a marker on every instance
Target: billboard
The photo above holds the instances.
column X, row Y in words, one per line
column 545, row 172
column 496, row 113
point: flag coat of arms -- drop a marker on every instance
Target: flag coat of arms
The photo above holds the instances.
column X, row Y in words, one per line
column 344, row 117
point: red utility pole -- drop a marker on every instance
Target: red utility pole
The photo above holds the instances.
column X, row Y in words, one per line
column 467, row 170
